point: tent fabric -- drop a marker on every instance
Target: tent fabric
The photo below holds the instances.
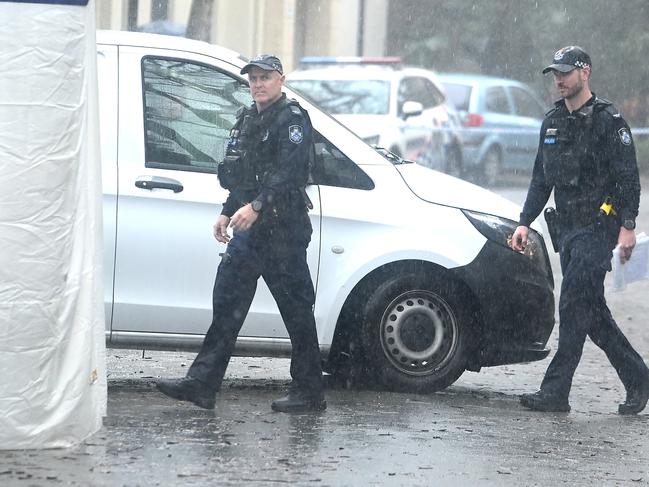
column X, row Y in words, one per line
column 52, row 343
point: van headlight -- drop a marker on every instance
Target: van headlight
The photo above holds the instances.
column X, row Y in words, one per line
column 500, row 230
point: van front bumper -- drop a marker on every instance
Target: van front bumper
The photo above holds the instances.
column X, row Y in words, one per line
column 515, row 299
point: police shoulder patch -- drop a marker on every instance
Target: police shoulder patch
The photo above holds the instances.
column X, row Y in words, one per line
column 625, row 136
column 295, row 134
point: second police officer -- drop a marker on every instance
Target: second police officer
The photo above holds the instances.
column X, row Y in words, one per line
column 265, row 169
column 586, row 154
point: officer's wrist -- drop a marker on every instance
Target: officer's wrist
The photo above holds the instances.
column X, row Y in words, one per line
column 628, row 223
column 256, row 205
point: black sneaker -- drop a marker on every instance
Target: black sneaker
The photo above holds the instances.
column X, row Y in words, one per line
column 540, row 401
column 636, row 400
column 188, row 389
column 297, row 401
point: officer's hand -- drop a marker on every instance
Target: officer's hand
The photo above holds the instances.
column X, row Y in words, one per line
column 243, row 218
column 220, row 229
column 519, row 239
column 626, row 242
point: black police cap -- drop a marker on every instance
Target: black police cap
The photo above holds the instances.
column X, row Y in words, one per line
column 265, row 61
column 569, row 58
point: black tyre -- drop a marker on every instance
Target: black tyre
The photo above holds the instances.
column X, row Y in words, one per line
column 415, row 334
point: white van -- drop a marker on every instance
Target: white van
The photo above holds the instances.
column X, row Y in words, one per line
column 415, row 281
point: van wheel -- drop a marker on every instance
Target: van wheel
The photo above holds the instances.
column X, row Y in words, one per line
column 414, row 334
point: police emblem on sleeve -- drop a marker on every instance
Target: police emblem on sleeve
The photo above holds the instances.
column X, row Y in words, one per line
column 295, row 134
column 625, row 136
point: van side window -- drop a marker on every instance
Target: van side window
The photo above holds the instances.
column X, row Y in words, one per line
column 189, row 109
column 333, row 168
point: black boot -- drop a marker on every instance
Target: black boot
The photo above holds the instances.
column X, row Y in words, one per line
column 298, row 401
column 636, row 399
column 188, row 389
column 541, row 401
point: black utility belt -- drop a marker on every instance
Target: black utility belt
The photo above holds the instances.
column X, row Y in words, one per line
column 559, row 224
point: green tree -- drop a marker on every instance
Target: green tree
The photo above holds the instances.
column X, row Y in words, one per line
column 199, row 25
column 516, row 39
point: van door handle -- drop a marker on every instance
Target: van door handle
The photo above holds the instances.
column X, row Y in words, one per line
column 151, row 182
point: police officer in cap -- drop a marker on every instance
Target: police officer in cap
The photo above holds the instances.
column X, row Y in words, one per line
column 265, row 170
column 586, row 154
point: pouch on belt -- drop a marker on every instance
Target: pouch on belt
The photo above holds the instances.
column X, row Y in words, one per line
column 554, row 226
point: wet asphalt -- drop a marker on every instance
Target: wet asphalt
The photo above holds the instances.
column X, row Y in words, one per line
column 474, row 433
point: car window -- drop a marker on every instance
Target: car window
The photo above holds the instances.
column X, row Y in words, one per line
column 189, row 109
column 419, row 89
column 525, row 104
column 496, row 100
column 333, row 168
column 363, row 96
column 460, row 95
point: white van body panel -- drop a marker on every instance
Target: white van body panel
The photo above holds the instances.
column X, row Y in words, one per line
column 161, row 257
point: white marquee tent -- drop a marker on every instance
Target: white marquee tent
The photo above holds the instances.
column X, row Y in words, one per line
column 52, row 355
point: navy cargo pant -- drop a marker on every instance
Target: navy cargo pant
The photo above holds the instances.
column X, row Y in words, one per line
column 283, row 266
column 585, row 258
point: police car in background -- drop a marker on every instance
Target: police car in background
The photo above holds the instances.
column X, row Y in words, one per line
column 415, row 281
column 398, row 108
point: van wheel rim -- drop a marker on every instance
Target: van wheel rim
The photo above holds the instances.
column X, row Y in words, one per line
column 419, row 333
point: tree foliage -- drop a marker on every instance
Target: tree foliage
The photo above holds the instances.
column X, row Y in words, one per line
column 199, row 24
column 517, row 38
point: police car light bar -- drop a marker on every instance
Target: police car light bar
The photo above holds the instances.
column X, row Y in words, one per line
column 351, row 60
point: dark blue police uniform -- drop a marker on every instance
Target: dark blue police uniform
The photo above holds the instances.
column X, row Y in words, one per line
column 274, row 148
column 267, row 165
column 588, row 158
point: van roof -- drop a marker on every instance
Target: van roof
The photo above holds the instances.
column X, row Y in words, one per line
column 125, row 38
